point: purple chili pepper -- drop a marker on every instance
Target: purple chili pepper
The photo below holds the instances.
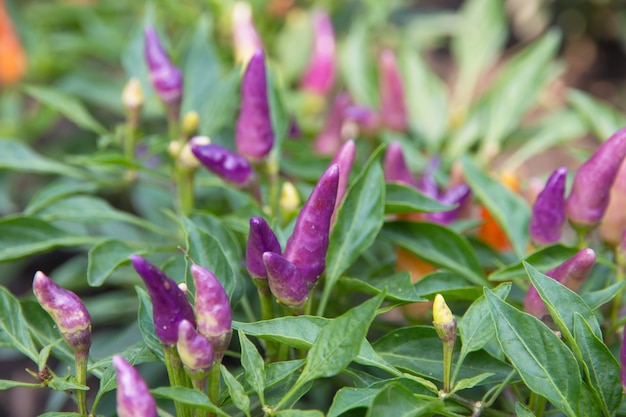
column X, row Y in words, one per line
column 395, row 166
column 195, row 350
column 133, row 396
column 329, row 140
column 246, row 39
column 571, row 273
column 254, row 136
column 622, row 361
column 548, row 217
column 307, row 246
column 223, row 162
column 67, row 310
column 213, row 311
column 285, row 281
column 344, row 158
column 427, row 183
column 320, row 73
column 455, row 195
column 261, row 239
column 367, row 119
column 166, row 79
column 591, row 188
column 169, row 302
column 392, row 107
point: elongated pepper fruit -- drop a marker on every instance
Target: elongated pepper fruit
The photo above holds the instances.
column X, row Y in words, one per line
column 589, row 196
column 306, row 247
column 67, row 310
column 223, row 162
column 344, row 159
column 285, row 281
column 213, row 311
column 622, row 362
column 395, row 167
column 427, row 183
column 254, row 136
column 166, row 79
column 393, row 111
column 246, row 39
column 614, row 220
column 169, row 302
column 330, row 138
column 261, row 239
column 455, row 195
column 320, row 73
column 548, row 216
column 571, row 273
column 133, row 396
column 195, row 350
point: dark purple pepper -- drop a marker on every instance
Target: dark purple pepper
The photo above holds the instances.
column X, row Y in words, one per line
column 320, row 73
column 393, row 111
column 589, row 196
column 223, row 162
column 427, row 183
column 254, row 136
column 548, row 216
column 195, row 350
column 169, row 303
column 261, row 239
column 396, row 169
column 166, row 79
column 213, row 310
column 329, row 140
column 285, row 281
column 307, row 245
column 455, row 195
column 133, row 396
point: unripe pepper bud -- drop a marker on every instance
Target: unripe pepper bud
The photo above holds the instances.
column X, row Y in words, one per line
column 392, row 106
column 195, row 350
column 443, row 319
column 320, row 73
column 395, row 167
column 246, row 40
column 223, row 162
column 590, row 192
column 133, row 396
column 190, row 123
column 67, row 310
column 261, row 239
column 166, row 79
column 213, row 311
column 307, row 245
column 329, row 140
column 132, row 95
column 289, row 200
column 548, row 216
column 254, row 136
column 285, row 281
column 169, row 302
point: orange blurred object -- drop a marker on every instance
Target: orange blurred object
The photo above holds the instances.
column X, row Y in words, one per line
column 490, row 231
column 12, row 55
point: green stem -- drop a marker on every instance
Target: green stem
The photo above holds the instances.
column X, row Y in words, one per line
column 537, row 404
column 271, row 168
column 201, row 385
column 129, row 140
column 287, row 397
column 495, row 392
column 214, row 384
column 80, row 360
column 177, row 376
column 267, row 313
column 581, row 233
column 184, row 185
column 448, row 352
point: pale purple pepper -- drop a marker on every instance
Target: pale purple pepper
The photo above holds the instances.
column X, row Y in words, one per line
column 548, row 216
column 427, row 183
column 320, row 73
column 166, row 79
column 589, row 196
column 571, row 273
column 195, row 350
column 455, row 195
column 285, row 281
column 213, row 311
column 344, row 158
column 133, row 396
column 622, row 361
column 329, row 140
column 392, row 106
column 246, row 39
column 254, row 136
column 67, row 310
column 396, row 169
column 261, row 239
column 223, row 162
column 169, row 302
column 307, row 245
column 367, row 119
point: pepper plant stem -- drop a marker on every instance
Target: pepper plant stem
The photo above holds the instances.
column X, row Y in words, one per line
column 177, row 377
column 80, row 359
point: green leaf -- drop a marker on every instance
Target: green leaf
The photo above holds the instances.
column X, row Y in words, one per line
column 399, row 287
column 348, row 398
column 8, row 384
column 188, row 396
column 146, row 324
column 300, row 413
column 19, row 157
column 438, row 245
column 14, row 328
column 253, row 366
column 602, row 118
column 44, row 354
column 358, row 222
column 450, row 285
column 66, row 383
column 400, row 198
column 507, row 208
column 221, row 105
column 543, row 259
column 106, row 257
column 468, row 383
column 597, row 299
column 474, row 330
column 57, row 191
column 522, row 411
column 400, row 348
column 43, row 330
column 339, row 341
column 67, row 105
column 562, row 303
column 543, row 361
column 355, row 65
column 396, row 400
column 602, row 369
column 236, row 391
